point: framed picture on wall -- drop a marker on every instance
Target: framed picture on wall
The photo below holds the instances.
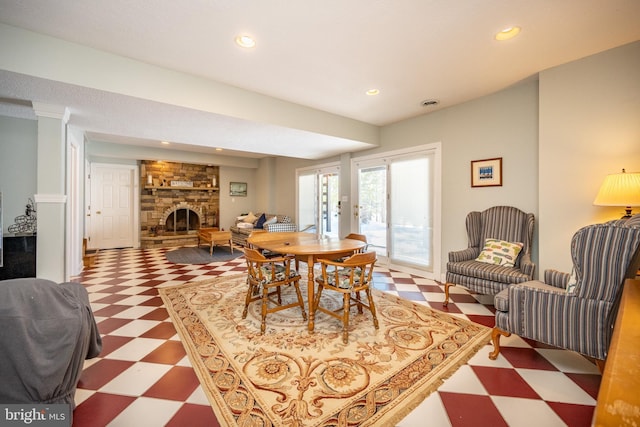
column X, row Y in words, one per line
column 238, row 189
column 486, row 172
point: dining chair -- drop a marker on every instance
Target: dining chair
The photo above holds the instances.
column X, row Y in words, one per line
column 361, row 237
column 347, row 277
column 265, row 277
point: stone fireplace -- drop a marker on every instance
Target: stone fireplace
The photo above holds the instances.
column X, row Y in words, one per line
column 176, row 200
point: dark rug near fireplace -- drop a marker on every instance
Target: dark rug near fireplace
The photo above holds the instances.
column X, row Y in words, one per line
column 200, row 255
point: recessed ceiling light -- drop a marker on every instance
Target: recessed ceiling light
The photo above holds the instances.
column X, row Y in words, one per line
column 373, row 92
column 245, row 41
column 164, row 142
column 508, row 33
column 218, row 149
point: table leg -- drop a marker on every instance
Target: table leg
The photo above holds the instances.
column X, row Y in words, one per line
column 310, row 292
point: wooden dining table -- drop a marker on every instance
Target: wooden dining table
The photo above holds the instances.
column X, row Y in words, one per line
column 309, row 248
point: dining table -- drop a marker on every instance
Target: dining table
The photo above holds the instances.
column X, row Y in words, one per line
column 309, row 248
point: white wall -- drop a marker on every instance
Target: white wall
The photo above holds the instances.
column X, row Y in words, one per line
column 589, row 127
column 18, row 154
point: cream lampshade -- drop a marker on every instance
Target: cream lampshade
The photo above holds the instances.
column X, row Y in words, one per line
column 620, row 189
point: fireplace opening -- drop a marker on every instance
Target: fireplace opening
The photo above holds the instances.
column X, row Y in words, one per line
column 182, row 221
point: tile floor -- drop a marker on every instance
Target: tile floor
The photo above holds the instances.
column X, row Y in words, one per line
column 143, row 376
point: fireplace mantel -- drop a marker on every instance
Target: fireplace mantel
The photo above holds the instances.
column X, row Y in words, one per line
column 155, row 188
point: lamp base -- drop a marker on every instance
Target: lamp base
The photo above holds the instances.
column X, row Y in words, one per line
column 627, row 213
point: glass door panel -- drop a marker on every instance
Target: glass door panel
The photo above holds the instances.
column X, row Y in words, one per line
column 411, row 223
column 318, row 196
column 371, row 209
column 307, row 206
column 329, row 208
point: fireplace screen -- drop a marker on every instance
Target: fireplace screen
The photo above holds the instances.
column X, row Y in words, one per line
column 182, row 221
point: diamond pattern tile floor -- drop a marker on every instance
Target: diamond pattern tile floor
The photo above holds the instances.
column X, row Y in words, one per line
column 143, row 376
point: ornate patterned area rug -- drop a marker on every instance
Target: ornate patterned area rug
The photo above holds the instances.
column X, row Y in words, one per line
column 288, row 377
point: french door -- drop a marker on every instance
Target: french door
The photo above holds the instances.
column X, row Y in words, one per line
column 396, row 205
column 318, row 200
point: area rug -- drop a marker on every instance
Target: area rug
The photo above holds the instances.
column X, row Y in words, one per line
column 289, row 377
column 200, row 255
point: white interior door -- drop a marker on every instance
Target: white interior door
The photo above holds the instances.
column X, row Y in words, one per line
column 112, row 206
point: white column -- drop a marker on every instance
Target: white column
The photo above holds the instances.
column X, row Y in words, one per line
column 51, row 198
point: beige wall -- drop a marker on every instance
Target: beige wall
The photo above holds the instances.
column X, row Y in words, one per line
column 589, row 127
column 501, row 125
column 558, row 140
column 231, row 207
column 18, row 154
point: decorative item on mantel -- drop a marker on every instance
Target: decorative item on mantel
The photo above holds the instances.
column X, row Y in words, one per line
column 27, row 223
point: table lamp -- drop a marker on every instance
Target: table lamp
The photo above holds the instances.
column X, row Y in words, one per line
column 620, row 189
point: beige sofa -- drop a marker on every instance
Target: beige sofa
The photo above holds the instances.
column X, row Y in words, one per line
column 246, row 224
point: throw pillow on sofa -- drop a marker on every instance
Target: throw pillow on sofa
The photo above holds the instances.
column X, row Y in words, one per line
column 261, row 221
column 251, row 218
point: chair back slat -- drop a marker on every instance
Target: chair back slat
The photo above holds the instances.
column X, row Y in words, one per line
column 601, row 255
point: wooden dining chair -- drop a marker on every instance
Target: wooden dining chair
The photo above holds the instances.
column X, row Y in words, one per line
column 348, row 277
column 265, row 277
column 355, row 236
column 361, row 237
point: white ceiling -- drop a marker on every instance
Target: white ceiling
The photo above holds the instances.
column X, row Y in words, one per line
column 318, row 54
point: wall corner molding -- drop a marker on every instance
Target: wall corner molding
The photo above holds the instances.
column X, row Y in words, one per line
column 52, row 111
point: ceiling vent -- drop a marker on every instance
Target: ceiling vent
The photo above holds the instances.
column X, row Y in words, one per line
column 430, row 102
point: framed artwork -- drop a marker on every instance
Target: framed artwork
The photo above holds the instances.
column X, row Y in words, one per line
column 238, row 189
column 486, row 173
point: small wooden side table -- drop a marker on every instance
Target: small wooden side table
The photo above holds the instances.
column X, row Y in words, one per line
column 213, row 236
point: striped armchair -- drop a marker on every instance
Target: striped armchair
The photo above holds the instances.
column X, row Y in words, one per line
column 574, row 311
column 504, row 223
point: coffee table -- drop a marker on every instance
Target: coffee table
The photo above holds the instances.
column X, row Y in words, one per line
column 214, row 236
